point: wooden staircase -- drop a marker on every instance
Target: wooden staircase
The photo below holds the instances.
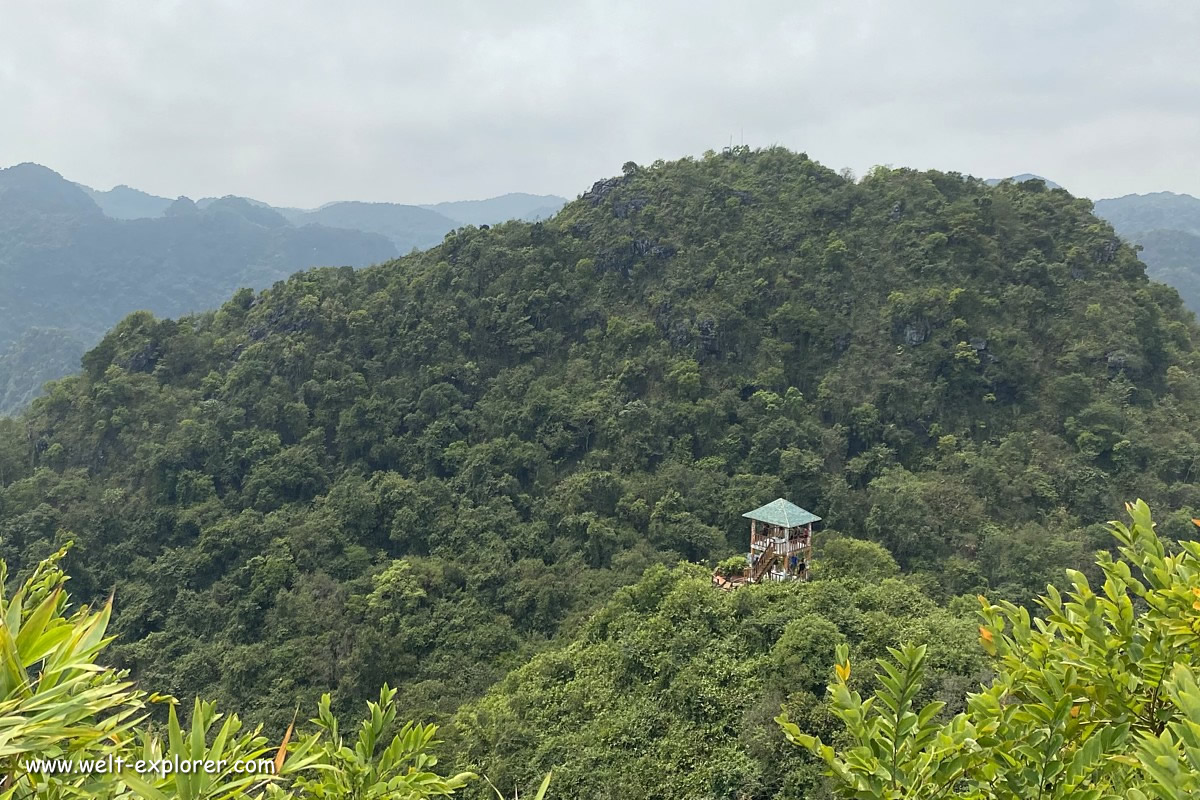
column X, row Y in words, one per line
column 765, row 561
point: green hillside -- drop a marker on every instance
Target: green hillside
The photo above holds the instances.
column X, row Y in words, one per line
column 670, row 691
column 74, row 260
column 1167, row 227
column 423, row 472
column 69, row 272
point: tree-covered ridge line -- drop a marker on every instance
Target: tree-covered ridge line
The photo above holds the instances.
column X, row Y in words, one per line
column 424, row 472
column 74, row 261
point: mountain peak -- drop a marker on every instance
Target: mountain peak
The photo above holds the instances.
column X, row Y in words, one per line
column 248, row 210
column 125, row 202
column 181, row 207
column 32, row 188
column 29, row 170
column 1024, row 176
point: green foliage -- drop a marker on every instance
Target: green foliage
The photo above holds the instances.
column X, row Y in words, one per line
column 229, row 746
column 1095, row 698
column 71, row 272
column 541, row 792
column 58, row 704
column 531, row 415
column 843, row 557
column 734, row 565
column 373, row 769
column 53, row 702
column 669, row 690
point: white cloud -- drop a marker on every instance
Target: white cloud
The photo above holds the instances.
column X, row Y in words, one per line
column 303, row 102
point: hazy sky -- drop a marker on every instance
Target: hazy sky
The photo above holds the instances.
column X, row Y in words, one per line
column 298, row 102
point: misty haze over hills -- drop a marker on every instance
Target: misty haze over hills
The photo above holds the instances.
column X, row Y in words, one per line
column 1167, row 226
column 74, row 260
column 408, row 226
column 1024, row 176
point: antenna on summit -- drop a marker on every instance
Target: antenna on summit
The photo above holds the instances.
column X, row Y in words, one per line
column 731, row 150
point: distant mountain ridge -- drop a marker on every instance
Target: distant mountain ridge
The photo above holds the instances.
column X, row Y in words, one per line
column 408, row 226
column 1167, row 226
column 70, row 271
column 74, row 260
column 125, row 202
column 515, row 205
column 1136, row 213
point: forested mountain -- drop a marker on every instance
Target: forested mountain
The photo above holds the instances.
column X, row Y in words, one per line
column 1173, row 257
column 69, row 272
column 1134, row 213
column 74, row 260
column 37, row 356
column 1167, row 226
column 429, row 471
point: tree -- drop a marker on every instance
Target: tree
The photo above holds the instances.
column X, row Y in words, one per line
column 58, row 705
column 53, row 703
column 372, row 769
column 843, row 557
column 1097, row 698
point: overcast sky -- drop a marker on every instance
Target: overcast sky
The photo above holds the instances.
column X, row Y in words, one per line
column 298, row 103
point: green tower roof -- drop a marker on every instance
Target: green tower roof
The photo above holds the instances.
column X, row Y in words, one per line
column 782, row 513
